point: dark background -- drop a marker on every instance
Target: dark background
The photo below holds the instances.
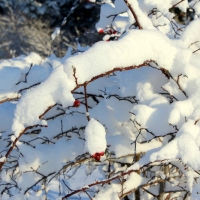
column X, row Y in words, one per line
column 26, row 26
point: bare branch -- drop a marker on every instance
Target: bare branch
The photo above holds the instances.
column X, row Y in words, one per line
column 146, row 63
column 113, row 178
column 49, row 108
column 86, row 103
column 196, row 50
column 10, row 99
column 177, row 3
column 43, row 178
column 180, row 88
column 15, row 142
column 134, row 15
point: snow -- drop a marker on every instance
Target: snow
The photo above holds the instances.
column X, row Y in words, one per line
column 87, row 114
column 144, row 21
column 197, row 7
column 9, row 76
column 2, row 159
column 109, row 192
column 163, row 7
column 184, row 147
column 180, row 110
column 95, row 136
column 191, row 34
column 55, row 33
column 57, row 89
column 133, row 181
column 151, row 111
column 31, row 177
column 6, row 115
column 106, row 10
column 38, row 74
column 121, row 23
column 94, row 62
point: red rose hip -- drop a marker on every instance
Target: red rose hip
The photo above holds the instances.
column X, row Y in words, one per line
column 77, row 103
column 97, row 156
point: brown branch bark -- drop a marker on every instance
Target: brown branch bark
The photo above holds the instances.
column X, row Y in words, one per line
column 134, row 15
column 49, row 108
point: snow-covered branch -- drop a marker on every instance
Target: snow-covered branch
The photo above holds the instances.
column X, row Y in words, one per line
column 119, row 118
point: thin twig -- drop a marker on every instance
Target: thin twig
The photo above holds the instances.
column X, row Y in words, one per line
column 86, row 103
column 43, row 178
column 196, row 50
column 74, row 74
column 113, row 178
column 134, row 15
column 177, row 3
column 15, row 142
column 193, row 44
column 49, row 108
column 10, row 99
column 180, row 88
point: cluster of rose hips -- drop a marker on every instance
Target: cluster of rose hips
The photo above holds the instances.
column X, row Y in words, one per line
column 97, row 156
column 109, row 31
column 111, row 34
